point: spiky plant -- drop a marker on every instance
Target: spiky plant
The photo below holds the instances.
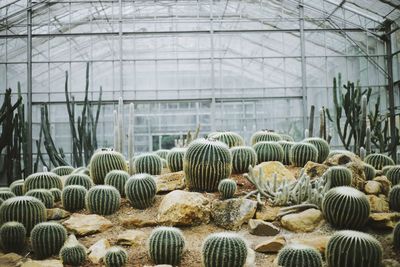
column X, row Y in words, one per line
column 73, row 197
column 17, row 187
column 231, row 139
column 268, row 151
column 148, row 163
column 74, row 254
column 286, row 145
column 378, row 160
column 338, row 176
column 162, row 153
column 82, row 170
column 301, row 153
column 175, row 159
column 166, row 245
column 393, row 174
column 102, row 200
column 42, row 180
column 43, row 195
column 104, row 161
column 47, row 238
column 13, row 236
column 286, row 137
column 115, row 257
column 141, row 190
column 394, row 198
column 56, row 194
column 322, row 147
column 265, row 136
column 6, row 194
column 387, row 168
column 369, row 171
column 117, row 179
column 242, row 158
column 79, row 179
column 296, row 255
column 1, row 201
column 63, row 170
column 396, row 236
column 227, row 188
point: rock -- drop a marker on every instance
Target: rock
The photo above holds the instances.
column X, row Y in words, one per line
column 383, row 221
column 131, row 237
column 315, row 170
column 57, row 214
column 44, row 263
column 268, row 213
column 81, row 224
column 251, row 258
column 271, row 246
column 373, row 187
column 160, row 265
column 98, row 250
column 378, row 204
column 385, row 184
column 305, row 221
column 10, row 260
column 390, row 263
column 171, row 181
column 134, row 221
column 271, row 167
column 261, row 228
column 317, row 242
column 181, row 208
column 232, row 213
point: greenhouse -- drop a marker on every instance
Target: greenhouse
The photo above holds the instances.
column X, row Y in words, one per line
column 215, row 133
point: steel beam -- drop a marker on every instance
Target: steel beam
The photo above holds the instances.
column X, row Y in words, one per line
column 303, row 64
column 28, row 168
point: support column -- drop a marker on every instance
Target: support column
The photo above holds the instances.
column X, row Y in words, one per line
column 303, row 64
column 28, row 168
column 212, row 68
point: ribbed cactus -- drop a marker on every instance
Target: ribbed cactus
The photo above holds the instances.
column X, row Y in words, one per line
column 393, row 174
column 242, row 158
column 6, row 194
column 378, row 160
column 63, row 170
column 227, row 188
column 162, row 153
column 286, row 137
column 353, row 249
column 322, row 147
column 43, row 195
column 24, row 209
column 175, row 159
column 394, row 198
column 301, row 153
column 12, row 236
column 42, row 180
column 47, row 238
column 224, row 249
column 206, row 162
column 117, row 179
column 396, row 236
column 115, row 257
column 265, row 136
column 369, row 171
column 299, row 255
column 1, row 201
column 286, row 145
column 17, row 187
column 56, row 194
column 79, row 179
column 141, row 190
column 102, row 200
column 73, row 254
column 104, row 161
column 166, row 245
column 81, row 170
column 346, row 207
column 338, row 176
column 268, row 151
column 231, row 139
column 387, row 168
column 148, row 163
column 73, row 197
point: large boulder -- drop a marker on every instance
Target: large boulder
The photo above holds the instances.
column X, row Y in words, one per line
column 231, row 214
column 131, row 237
column 261, row 228
column 271, row 246
column 383, row 221
column 170, row 181
column 274, row 167
column 82, row 225
column 268, row 213
column 305, row 221
column 378, row 204
column 98, row 250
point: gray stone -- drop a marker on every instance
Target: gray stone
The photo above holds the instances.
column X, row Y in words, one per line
column 81, row 224
column 261, row 228
column 231, row 214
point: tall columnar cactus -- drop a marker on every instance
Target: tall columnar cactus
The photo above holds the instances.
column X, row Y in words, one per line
column 47, row 238
column 73, row 197
column 79, row 179
column 166, row 245
column 63, row 170
column 339, row 176
column 393, row 174
column 369, row 171
column 227, row 188
column 141, row 190
column 268, row 151
column 6, row 195
column 13, row 236
column 346, row 207
column 232, row 139
column 295, row 255
column 322, row 147
column 394, row 198
column 242, row 158
column 206, row 163
column 286, row 137
column 265, row 136
column 175, row 159
column 27, row 210
column 17, row 187
column 286, row 145
column 378, row 160
column 396, row 236
column 103, row 200
column 73, row 253
column 115, row 257
column 117, row 179
column 224, row 249
column 104, row 161
column 148, row 163
column 43, row 195
column 42, row 180
column 301, row 153
column 162, row 153
column 56, row 194
column 353, row 249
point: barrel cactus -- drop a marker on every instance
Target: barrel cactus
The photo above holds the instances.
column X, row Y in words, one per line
column 387, row 168
column 74, row 254
column 393, row 174
column 102, row 200
column 286, row 137
column 162, row 153
column 268, row 151
column 231, row 139
column 63, row 170
column 47, row 238
column 13, row 236
column 295, row 255
column 104, row 161
column 115, row 257
column 166, row 245
column 6, row 194
column 227, row 188
column 117, row 179
column 17, row 187
column 242, row 158
column 369, row 171
column 42, row 180
column 394, row 198
column 286, row 145
column 141, row 190
column 148, row 163
column 265, row 136
column 301, row 153
column 175, row 159
column 206, row 163
column 81, row 170
column 43, row 195
column 378, row 160
column 396, row 236
column 73, row 197
column 353, row 249
column 56, row 194
column 79, row 179
column 322, row 147
column 346, row 207
column 339, row 176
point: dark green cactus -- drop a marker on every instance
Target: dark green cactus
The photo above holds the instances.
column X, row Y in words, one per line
column 242, row 158
column 73, row 197
column 231, row 139
column 396, row 236
column 162, row 153
column 24, row 209
column 394, row 198
column 206, row 163
column 63, row 170
column 81, row 170
column 148, row 163
column 346, row 207
column 13, row 236
column 42, row 180
column 79, row 179
column 339, row 176
column 74, row 255
column 104, row 161
column 115, row 257
column 393, row 174
column 43, row 195
column 102, row 200
column 353, row 249
column 141, row 190
column 286, row 137
column 1, row 201
column 47, row 238
column 286, row 145
column 227, row 188
column 268, row 151
column 17, row 187
column 296, row 255
column 56, row 194
column 6, row 194
column 166, row 245
column 322, row 147
column 378, row 160
column 224, row 249
column 301, row 153
column 387, row 168
column 117, row 179
column 265, row 136
column 369, row 171
column 175, row 159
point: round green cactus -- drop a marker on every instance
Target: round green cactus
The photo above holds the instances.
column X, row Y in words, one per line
column 43, row 195
column 162, row 153
column 378, row 160
column 353, row 249
column 148, row 163
column 322, row 147
column 369, row 171
column 346, row 207
column 73, row 197
column 13, row 236
column 42, row 180
column 227, row 188
column 396, row 236
column 175, row 159
column 1, row 201
column 102, row 200
column 295, row 255
column 56, row 194
column 224, row 249
column 265, row 136
column 17, row 187
column 24, row 209
column 115, row 257
column 393, row 174
column 394, row 198
column 339, row 176
column 166, row 245
column 268, row 151
column 286, row 137
column 117, row 179
column 231, row 139
column 206, row 163
column 301, row 153
column 387, row 168
column 242, row 158
column 103, row 162
column 47, row 238
column 74, row 255
column 286, row 145
column 79, row 179
column 63, row 170
column 6, row 195
column 141, row 190
column 81, row 170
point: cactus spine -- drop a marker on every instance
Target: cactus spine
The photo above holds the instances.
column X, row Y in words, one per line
column 393, row 174
column 73, row 197
column 43, row 195
column 396, row 236
column 175, row 159
column 265, row 136
column 166, row 245
column 63, row 170
column 369, row 171
column 117, row 179
column 79, row 179
column 339, row 176
column 73, row 253
column 6, row 195
column 42, row 180
column 242, row 158
column 294, row 255
column 286, row 151
column 268, row 151
column 394, row 198
column 13, row 236
column 322, row 147
column 141, row 190
column 104, row 161
column 231, row 139
column 227, row 188
column 301, row 153
column 56, row 194
column 47, row 238
column 102, row 200
column 378, row 161
column 148, row 163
